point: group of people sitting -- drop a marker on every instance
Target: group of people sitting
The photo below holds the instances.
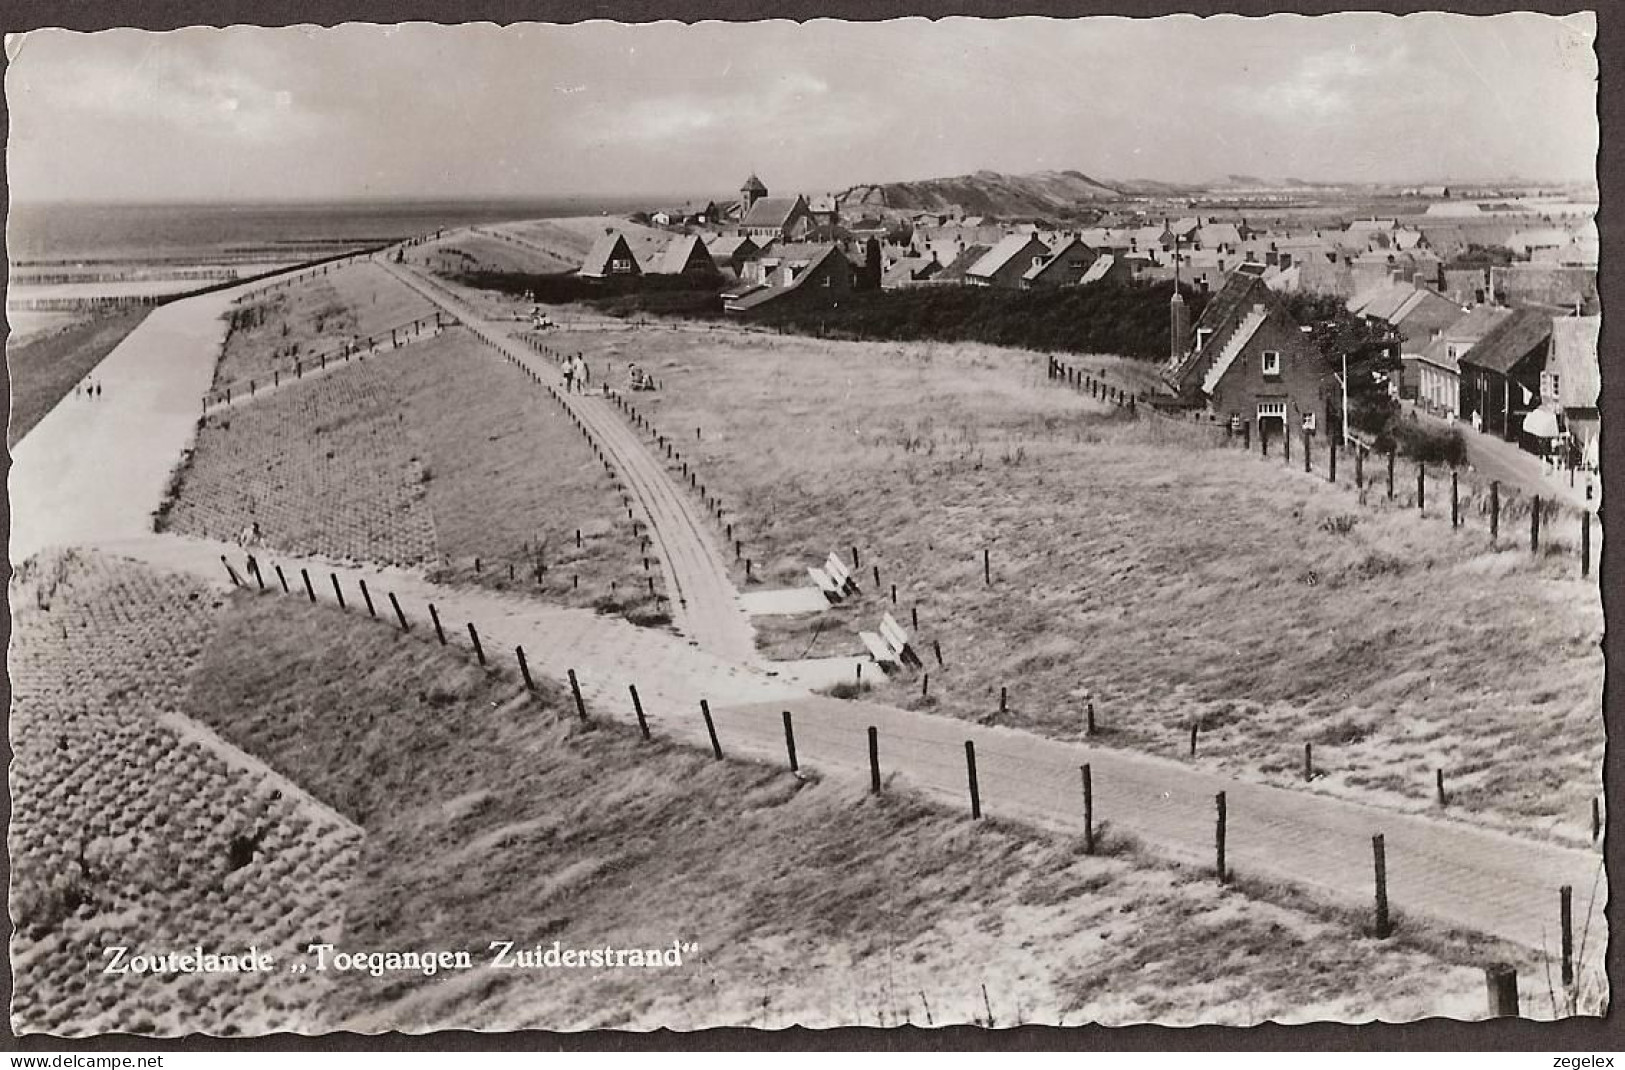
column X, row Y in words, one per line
column 637, row 378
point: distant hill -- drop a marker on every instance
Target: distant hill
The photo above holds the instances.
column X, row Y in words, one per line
column 1044, row 193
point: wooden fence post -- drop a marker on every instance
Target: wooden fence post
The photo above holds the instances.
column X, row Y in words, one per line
column 1308, row 761
column 366, row 596
column 1088, row 809
column 1565, row 919
column 1307, row 455
column 1585, row 544
column 405, row 627
column 1246, row 436
column 1596, row 819
column 575, row 692
column 1534, row 526
column 281, row 578
column 1359, row 468
column 987, row 566
column 439, row 632
column 1495, row 511
column 970, row 773
column 474, row 637
column 1390, row 473
column 1286, row 444
column 1218, row 837
column 1501, row 984
column 309, row 590
column 524, row 668
column 1379, row 860
column 235, row 580
column 1438, row 779
column 1332, row 477
column 1004, row 699
column 637, row 708
column 790, row 742
column 1089, row 721
column 711, row 729
column 1455, row 500
column 874, row 760
column 1193, row 740
column 855, row 564
column 1421, row 485
column 338, row 592
column 936, row 648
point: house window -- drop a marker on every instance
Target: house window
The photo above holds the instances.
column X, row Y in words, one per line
column 1272, row 362
column 827, row 281
column 1309, row 421
column 620, row 267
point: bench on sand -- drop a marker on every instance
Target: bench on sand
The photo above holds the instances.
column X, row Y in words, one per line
column 833, row 579
column 820, row 578
column 836, row 570
column 890, row 646
column 897, row 639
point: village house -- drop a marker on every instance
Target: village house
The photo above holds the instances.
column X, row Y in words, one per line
column 1572, row 381
column 1418, row 314
column 731, row 252
column 1501, row 373
column 1064, row 265
column 798, row 276
column 609, row 257
column 685, row 254
column 1438, row 366
column 1004, row 265
column 1248, row 359
column 909, row 271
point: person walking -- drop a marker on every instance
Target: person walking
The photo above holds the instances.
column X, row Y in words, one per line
column 585, row 373
column 569, row 374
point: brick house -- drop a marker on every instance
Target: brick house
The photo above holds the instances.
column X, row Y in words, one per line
column 1249, row 359
column 1438, row 366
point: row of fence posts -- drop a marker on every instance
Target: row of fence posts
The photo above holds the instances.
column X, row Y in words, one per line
column 1081, row 380
column 343, row 353
column 599, row 452
column 1501, row 979
column 1098, row 389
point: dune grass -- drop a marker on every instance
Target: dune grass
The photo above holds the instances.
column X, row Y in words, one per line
column 495, row 816
column 1168, row 583
column 45, row 368
column 273, row 330
column 438, row 455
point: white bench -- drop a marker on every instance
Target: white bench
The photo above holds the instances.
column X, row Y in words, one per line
column 879, row 650
column 897, row 640
column 837, row 571
column 831, row 589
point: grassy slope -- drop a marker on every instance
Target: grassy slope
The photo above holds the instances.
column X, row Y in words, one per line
column 493, row 816
column 1168, row 583
column 44, row 369
column 121, row 823
column 437, row 454
column 316, row 316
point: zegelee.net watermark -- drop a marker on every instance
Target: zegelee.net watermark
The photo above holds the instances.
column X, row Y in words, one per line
column 329, row 959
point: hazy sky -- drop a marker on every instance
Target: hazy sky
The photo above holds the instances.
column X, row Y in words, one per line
column 425, row 110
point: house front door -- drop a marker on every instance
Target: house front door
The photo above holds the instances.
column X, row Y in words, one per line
column 1271, row 420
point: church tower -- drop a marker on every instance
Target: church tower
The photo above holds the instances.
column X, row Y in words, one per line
column 1179, row 324
column 752, row 191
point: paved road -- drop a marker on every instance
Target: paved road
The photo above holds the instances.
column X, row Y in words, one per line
column 1503, row 461
column 1450, row 872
